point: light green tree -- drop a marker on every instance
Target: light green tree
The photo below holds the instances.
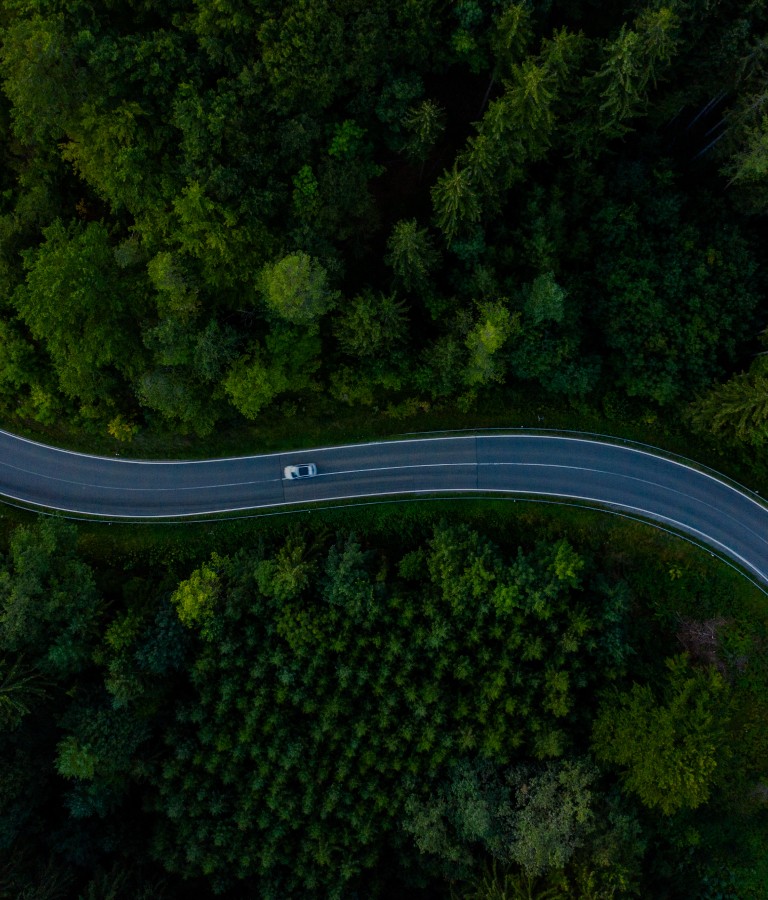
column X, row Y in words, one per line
column 286, row 361
column 289, row 572
column 736, row 410
column 511, row 36
column 195, row 598
column 176, row 293
column 296, row 288
column 668, row 750
column 251, row 384
column 494, row 325
column 633, row 61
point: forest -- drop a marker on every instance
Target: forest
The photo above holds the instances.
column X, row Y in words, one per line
column 434, row 710
column 214, row 211
column 231, row 220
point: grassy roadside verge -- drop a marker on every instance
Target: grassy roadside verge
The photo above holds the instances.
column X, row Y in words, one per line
column 185, row 542
column 324, row 424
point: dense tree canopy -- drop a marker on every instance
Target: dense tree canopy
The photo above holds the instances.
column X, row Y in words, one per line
column 325, row 714
column 533, row 183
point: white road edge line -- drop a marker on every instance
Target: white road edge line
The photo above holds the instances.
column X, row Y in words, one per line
column 372, row 469
column 464, row 437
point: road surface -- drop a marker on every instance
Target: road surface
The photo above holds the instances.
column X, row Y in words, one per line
column 730, row 520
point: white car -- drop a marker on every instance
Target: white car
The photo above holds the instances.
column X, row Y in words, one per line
column 305, row 471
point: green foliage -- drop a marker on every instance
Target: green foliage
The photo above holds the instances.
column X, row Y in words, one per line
column 16, row 361
column 176, row 295
column 195, row 598
column 545, row 301
column 19, row 687
column 122, row 430
column 114, row 151
column 49, row 604
column 670, row 750
column 178, row 399
column 328, row 691
column 372, row 324
column 455, row 201
column 442, row 364
column 251, row 384
column 347, row 714
column 554, row 815
column 545, row 828
column 187, row 192
column 659, row 281
column 424, row 124
column 498, row 883
column 98, row 757
column 224, row 171
column 395, row 104
column 748, row 167
column 40, row 75
column 286, row 363
column 736, row 411
column 81, row 306
column 411, row 254
column 516, row 129
column 289, row 573
column 493, row 328
column 512, row 35
column 305, row 192
column 296, row 288
column 75, row 761
column 347, row 141
column 633, row 60
column 303, row 49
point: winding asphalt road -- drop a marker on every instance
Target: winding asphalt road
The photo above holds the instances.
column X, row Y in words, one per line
column 730, row 520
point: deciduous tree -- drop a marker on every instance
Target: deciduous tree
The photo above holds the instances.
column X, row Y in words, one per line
column 83, row 308
column 296, row 288
column 669, row 750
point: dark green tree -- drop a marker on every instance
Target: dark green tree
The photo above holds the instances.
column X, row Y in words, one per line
column 659, row 284
column 84, row 310
column 19, row 687
column 423, row 124
column 49, row 605
column 372, row 324
column 411, row 254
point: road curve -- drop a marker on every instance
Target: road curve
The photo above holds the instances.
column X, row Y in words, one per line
column 627, row 478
